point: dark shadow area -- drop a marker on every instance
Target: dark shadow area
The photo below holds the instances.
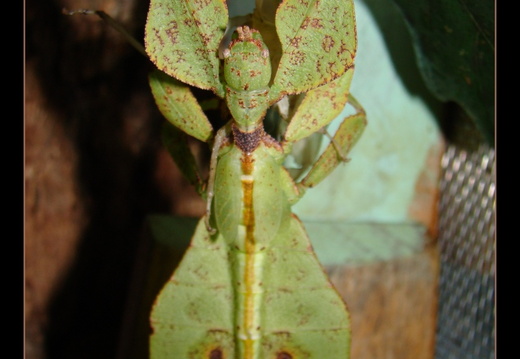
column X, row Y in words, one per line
column 98, row 86
column 169, row 238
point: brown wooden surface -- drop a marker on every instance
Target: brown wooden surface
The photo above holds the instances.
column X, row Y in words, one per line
column 53, row 209
column 393, row 305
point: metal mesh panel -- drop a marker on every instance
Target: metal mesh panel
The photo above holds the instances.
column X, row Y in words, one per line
column 467, row 245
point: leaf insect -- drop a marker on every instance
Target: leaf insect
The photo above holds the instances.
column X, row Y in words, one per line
column 250, row 285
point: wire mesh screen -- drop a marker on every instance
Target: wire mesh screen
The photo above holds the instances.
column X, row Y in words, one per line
column 465, row 328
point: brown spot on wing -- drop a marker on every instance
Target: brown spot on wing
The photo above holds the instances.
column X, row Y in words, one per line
column 283, row 355
column 297, row 58
column 295, row 42
column 216, row 354
column 327, row 43
column 173, row 32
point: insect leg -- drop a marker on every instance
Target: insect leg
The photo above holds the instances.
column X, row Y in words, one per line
column 344, row 139
column 220, row 138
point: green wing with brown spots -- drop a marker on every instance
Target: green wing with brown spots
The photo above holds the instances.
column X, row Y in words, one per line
column 182, row 39
column 302, row 316
column 318, row 40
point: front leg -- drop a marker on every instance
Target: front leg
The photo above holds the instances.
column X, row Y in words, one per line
column 220, row 138
column 318, row 108
column 344, row 139
column 178, row 105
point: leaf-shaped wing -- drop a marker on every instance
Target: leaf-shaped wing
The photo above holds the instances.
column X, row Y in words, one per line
column 318, row 40
column 304, row 316
column 182, row 39
column 193, row 315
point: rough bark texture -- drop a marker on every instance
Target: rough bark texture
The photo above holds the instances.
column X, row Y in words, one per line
column 94, row 169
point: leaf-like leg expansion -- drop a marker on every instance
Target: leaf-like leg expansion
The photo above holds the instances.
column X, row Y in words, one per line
column 220, row 138
column 308, row 122
column 345, row 137
column 333, row 142
column 309, row 118
column 178, row 105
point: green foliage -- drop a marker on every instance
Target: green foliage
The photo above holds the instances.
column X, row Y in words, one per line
column 454, row 45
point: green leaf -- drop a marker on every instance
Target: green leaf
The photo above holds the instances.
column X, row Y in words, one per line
column 454, row 45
